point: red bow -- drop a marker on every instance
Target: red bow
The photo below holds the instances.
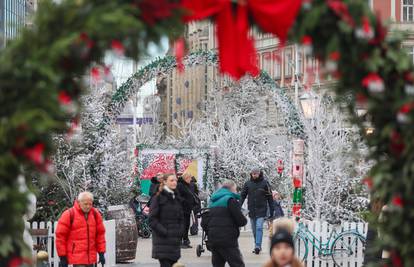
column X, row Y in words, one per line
column 236, row 49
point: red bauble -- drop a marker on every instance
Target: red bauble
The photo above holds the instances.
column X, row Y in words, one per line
column 342, row 11
column 118, row 47
column 64, row 98
column 397, row 145
column 297, row 183
column 398, row 201
column 335, row 56
column 368, row 182
column 35, row 153
column 95, row 74
column 396, row 259
column 374, row 83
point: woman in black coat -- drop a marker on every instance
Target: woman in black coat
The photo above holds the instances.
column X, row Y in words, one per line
column 167, row 223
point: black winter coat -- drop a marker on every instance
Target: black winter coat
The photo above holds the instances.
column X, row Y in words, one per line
column 189, row 194
column 223, row 225
column 167, row 223
column 259, row 196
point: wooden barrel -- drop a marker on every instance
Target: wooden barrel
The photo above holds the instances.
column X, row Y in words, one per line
column 126, row 232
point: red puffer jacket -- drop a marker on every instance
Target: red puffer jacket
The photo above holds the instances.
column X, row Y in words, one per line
column 82, row 239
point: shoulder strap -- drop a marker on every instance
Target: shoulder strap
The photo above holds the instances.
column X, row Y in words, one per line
column 72, row 217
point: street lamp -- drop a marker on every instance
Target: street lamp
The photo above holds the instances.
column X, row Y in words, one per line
column 309, row 102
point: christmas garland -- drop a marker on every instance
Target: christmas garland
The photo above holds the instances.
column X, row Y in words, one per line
column 41, row 81
column 40, row 78
column 373, row 69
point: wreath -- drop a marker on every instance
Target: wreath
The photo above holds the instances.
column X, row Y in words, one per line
column 41, row 80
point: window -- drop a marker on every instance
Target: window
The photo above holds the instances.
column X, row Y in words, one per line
column 288, row 63
column 300, row 60
column 267, row 62
column 410, row 51
column 276, row 62
column 407, row 10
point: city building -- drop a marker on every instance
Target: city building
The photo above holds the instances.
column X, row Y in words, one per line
column 14, row 15
column 400, row 13
column 182, row 94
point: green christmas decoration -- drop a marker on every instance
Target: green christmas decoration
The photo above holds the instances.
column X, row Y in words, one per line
column 40, row 83
column 41, row 80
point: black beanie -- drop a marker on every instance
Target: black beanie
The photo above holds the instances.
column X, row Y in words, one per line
column 281, row 236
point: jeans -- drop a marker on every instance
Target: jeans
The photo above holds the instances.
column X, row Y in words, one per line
column 257, row 229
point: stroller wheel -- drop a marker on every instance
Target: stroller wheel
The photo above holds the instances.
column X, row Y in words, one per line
column 199, row 250
column 146, row 233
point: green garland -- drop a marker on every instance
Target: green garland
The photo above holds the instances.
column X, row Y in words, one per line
column 41, row 81
column 376, row 72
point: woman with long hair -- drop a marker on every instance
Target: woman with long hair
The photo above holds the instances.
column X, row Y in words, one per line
column 167, row 222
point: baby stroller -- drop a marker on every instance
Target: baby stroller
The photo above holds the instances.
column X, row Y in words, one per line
column 141, row 210
column 204, row 215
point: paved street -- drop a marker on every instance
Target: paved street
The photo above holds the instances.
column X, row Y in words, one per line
column 190, row 259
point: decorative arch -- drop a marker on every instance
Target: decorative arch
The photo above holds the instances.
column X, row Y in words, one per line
column 165, row 65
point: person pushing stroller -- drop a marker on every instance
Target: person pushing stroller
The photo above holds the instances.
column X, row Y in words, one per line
column 224, row 220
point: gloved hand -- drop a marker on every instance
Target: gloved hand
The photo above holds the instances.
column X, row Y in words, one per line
column 63, row 261
column 102, row 258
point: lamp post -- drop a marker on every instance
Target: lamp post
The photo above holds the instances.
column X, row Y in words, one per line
column 309, row 102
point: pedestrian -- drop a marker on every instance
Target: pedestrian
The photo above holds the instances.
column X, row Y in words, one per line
column 155, row 183
column 282, row 252
column 166, row 221
column 259, row 194
column 278, row 211
column 80, row 234
column 225, row 218
column 188, row 190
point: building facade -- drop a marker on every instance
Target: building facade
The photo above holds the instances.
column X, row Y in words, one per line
column 182, row 94
column 401, row 15
column 12, row 19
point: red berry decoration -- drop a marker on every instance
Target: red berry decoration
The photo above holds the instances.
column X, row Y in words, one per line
column 397, row 201
column 35, row 154
column 118, row 47
column 64, row 98
column 374, row 83
column 368, row 182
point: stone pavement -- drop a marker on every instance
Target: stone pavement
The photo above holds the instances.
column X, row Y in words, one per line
column 190, row 259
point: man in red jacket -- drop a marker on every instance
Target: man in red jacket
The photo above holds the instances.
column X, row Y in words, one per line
column 80, row 234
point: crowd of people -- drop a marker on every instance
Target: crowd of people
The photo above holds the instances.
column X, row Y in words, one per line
column 80, row 234
column 174, row 199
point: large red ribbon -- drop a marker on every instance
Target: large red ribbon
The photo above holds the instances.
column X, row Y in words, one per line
column 236, row 48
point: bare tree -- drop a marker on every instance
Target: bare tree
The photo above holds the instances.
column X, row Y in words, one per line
column 333, row 151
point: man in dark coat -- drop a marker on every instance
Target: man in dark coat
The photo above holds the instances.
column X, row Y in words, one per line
column 259, row 194
column 166, row 221
column 188, row 191
column 225, row 218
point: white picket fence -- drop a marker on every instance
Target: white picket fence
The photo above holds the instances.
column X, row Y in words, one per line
column 110, row 236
